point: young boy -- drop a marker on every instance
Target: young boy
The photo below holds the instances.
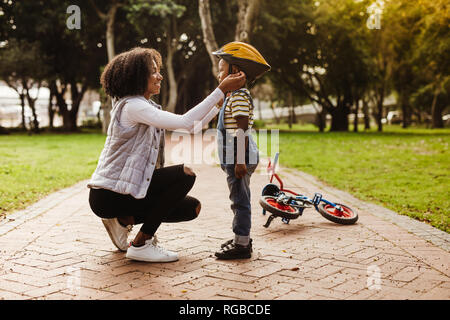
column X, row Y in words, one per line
column 238, row 152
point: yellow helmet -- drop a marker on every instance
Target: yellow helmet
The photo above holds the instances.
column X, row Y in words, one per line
column 244, row 56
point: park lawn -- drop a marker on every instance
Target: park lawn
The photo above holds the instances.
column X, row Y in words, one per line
column 34, row 166
column 404, row 170
column 407, row 171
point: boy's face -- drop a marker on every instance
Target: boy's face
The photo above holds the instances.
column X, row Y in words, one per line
column 223, row 70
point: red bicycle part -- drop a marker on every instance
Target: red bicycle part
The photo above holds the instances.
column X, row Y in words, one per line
column 280, row 206
column 281, row 184
column 343, row 212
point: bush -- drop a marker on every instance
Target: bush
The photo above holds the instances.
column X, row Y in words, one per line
column 91, row 124
column 258, row 124
column 3, row 130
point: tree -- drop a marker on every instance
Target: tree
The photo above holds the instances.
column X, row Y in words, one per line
column 18, row 68
column 74, row 56
column 169, row 12
column 71, row 57
column 380, row 61
column 381, row 67
column 244, row 23
column 432, row 50
column 406, row 28
column 108, row 17
column 209, row 39
column 425, row 101
column 316, row 51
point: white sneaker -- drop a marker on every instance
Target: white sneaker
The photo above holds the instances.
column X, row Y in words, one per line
column 151, row 252
column 117, row 233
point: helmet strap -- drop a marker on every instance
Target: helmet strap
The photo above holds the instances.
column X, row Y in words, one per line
column 230, row 68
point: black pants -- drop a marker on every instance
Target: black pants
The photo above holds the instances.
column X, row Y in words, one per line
column 166, row 201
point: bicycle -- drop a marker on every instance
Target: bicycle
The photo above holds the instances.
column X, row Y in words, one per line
column 289, row 207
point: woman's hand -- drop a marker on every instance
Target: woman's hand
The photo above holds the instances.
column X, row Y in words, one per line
column 232, row 82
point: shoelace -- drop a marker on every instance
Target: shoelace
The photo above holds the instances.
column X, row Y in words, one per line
column 155, row 244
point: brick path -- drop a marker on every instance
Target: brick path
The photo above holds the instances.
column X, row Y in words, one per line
column 58, row 249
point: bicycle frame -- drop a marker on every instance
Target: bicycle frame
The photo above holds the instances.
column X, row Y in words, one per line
column 317, row 196
column 271, row 168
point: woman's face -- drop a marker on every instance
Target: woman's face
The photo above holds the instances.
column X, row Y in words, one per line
column 154, row 82
column 223, row 70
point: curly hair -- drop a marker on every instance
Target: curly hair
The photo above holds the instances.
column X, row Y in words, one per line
column 128, row 73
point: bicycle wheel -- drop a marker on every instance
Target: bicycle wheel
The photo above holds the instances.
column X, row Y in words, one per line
column 270, row 204
column 346, row 216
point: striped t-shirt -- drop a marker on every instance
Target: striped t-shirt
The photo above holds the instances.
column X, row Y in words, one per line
column 238, row 104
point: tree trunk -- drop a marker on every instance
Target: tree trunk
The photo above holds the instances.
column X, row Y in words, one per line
column 208, row 34
column 322, row 120
column 406, row 110
column 69, row 116
column 260, row 110
column 51, row 110
column 366, row 114
column 106, row 114
column 69, row 121
column 321, row 117
column 277, row 119
column 339, row 119
column 290, row 103
column 419, row 117
column 289, row 118
column 172, row 82
column 247, row 11
column 32, row 104
column 294, row 115
column 379, row 113
column 22, row 105
column 77, row 97
column 355, row 120
column 63, row 109
column 436, row 112
column 171, row 44
column 109, row 18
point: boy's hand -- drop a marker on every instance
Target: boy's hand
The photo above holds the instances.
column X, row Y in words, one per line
column 240, row 170
column 232, row 82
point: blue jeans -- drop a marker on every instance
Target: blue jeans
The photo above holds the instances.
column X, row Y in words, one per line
column 240, row 202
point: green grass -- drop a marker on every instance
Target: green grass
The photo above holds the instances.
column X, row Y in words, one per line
column 404, row 170
column 34, row 166
column 407, row 171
